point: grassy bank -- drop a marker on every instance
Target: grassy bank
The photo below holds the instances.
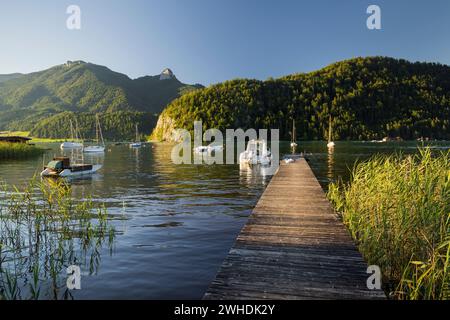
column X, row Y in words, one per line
column 35, row 140
column 18, row 151
column 397, row 208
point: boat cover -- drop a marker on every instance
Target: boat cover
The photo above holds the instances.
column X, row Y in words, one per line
column 55, row 165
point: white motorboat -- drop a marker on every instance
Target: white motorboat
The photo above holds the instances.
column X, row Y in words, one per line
column 215, row 148
column 208, row 149
column 256, row 153
column 201, row 149
column 137, row 143
column 99, row 137
column 61, row 167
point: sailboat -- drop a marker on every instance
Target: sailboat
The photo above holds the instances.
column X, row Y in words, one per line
column 137, row 143
column 65, row 167
column 330, row 143
column 294, row 135
column 71, row 144
column 99, row 136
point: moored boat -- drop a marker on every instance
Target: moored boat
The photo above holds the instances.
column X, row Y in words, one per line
column 256, row 153
column 73, row 144
column 201, row 149
column 99, row 136
column 61, row 167
column 137, row 143
column 208, row 149
column 94, row 149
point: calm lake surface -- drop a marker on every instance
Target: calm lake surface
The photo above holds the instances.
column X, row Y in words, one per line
column 176, row 223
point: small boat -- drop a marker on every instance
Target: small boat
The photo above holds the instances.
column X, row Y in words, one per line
column 256, row 153
column 99, row 136
column 215, row 148
column 61, row 167
column 201, row 149
column 72, row 144
column 293, row 135
column 94, row 149
column 208, row 149
column 330, row 143
column 136, row 144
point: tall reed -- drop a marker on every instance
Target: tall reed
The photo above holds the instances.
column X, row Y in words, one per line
column 397, row 208
column 43, row 231
column 18, row 151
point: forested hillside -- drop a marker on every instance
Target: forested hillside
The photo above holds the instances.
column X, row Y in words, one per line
column 115, row 126
column 367, row 98
column 80, row 87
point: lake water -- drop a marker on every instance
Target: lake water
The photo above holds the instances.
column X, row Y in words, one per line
column 176, row 223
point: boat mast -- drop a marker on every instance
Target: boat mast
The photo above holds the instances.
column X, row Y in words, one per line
column 96, row 128
column 137, row 133
column 329, row 129
column 77, row 132
column 294, row 133
column 71, row 129
column 100, row 131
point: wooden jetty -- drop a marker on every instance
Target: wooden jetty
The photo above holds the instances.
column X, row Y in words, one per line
column 293, row 247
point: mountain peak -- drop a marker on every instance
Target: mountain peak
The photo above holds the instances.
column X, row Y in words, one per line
column 70, row 63
column 166, row 74
column 82, row 87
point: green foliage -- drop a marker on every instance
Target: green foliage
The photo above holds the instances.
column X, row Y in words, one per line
column 18, row 151
column 80, row 87
column 116, row 126
column 368, row 98
column 6, row 77
column 397, row 209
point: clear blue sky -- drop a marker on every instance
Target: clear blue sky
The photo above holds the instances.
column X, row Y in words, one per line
column 208, row 41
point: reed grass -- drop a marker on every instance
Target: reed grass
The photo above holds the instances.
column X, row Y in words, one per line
column 397, row 208
column 13, row 151
column 43, row 231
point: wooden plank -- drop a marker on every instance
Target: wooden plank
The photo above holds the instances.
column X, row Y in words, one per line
column 293, row 246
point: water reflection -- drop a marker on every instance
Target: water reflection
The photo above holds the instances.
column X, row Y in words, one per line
column 254, row 174
column 209, row 157
column 175, row 223
column 42, row 232
column 330, row 165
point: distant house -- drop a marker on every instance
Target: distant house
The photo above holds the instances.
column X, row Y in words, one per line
column 14, row 139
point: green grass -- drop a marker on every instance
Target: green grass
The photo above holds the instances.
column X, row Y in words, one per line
column 15, row 151
column 397, row 208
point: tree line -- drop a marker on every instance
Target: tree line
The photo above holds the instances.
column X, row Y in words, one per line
column 116, row 126
column 366, row 98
